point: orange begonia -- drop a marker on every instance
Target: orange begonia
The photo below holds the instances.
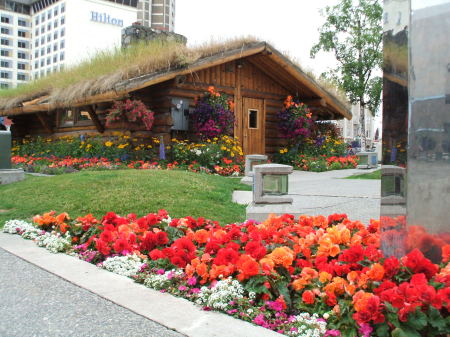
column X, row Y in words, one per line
column 283, row 256
column 376, row 272
column 201, row 236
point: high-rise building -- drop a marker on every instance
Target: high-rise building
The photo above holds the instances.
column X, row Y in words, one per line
column 39, row 37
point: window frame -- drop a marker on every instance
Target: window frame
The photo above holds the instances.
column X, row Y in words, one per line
column 249, row 119
column 75, row 119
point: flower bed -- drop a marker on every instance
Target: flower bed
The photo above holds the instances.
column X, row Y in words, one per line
column 221, row 155
column 312, row 276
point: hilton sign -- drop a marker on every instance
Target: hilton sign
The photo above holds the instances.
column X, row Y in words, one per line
column 106, row 18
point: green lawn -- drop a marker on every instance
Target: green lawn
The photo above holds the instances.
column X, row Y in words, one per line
column 124, row 191
column 373, row 175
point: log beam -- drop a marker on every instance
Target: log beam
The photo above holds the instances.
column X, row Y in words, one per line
column 98, row 124
column 44, row 121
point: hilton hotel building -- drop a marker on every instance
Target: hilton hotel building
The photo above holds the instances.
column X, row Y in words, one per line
column 39, row 37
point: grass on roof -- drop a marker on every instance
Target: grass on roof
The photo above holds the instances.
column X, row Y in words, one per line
column 124, row 191
column 107, row 68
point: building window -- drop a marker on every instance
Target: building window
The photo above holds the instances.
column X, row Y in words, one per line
column 55, row 35
column 22, row 23
column 36, row 21
column 71, row 117
column 49, row 37
column 55, row 24
column 4, row 85
column 21, row 66
column 61, row 56
column 4, row 42
column 36, row 32
column 63, row 32
column 63, row 8
column 36, row 75
column 21, row 77
column 42, row 51
column 5, row 30
column 62, row 44
column 4, row 52
column 55, row 58
column 36, row 43
column 36, row 54
column 4, row 19
column 43, row 17
column 67, row 118
column 252, row 119
column 4, row 75
column 42, row 63
column 36, row 65
column 49, row 14
column 4, row 64
column 55, row 47
column 49, row 49
column 21, row 33
column 63, row 20
column 21, row 44
column 43, row 29
column 42, row 40
column 21, row 55
column 49, row 60
column 49, row 26
column 55, row 11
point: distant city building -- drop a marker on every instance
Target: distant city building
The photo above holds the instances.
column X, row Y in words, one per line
column 39, row 37
column 351, row 128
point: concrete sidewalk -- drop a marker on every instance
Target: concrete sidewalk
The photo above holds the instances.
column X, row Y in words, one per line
column 53, row 295
column 328, row 192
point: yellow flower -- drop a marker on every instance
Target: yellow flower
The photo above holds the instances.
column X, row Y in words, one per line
column 122, row 146
column 109, row 144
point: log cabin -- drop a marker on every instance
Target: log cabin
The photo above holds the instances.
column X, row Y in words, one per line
column 254, row 74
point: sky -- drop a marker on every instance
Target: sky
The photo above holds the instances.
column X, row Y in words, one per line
column 289, row 25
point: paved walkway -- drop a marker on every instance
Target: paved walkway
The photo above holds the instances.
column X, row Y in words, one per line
column 52, row 295
column 328, row 192
column 35, row 303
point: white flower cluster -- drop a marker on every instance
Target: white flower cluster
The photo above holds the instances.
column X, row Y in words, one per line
column 308, row 326
column 128, row 265
column 23, row 228
column 162, row 281
column 54, row 243
column 219, row 296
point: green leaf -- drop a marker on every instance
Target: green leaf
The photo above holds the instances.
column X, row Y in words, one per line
column 382, row 330
column 417, row 320
column 436, row 320
column 256, row 285
column 405, row 332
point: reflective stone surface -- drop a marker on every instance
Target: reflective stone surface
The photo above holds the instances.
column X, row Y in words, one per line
column 428, row 197
column 415, row 203
column 395, row 127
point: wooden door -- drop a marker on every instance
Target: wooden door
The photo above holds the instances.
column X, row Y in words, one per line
column 253, row 126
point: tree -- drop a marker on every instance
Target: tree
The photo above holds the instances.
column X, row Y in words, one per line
column 353, row 32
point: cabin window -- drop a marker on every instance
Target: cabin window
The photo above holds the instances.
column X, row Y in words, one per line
column 67, row 118
column 74, row 117
column 252, row 119
column 83, row 118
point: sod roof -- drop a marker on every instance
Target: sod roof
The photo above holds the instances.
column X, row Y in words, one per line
column 112, row 75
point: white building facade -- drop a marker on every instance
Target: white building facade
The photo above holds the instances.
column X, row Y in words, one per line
column 351, row 128
column 39, row 37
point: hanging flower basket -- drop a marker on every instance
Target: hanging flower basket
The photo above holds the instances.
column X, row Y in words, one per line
column 130, row 111
column 213, row 115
